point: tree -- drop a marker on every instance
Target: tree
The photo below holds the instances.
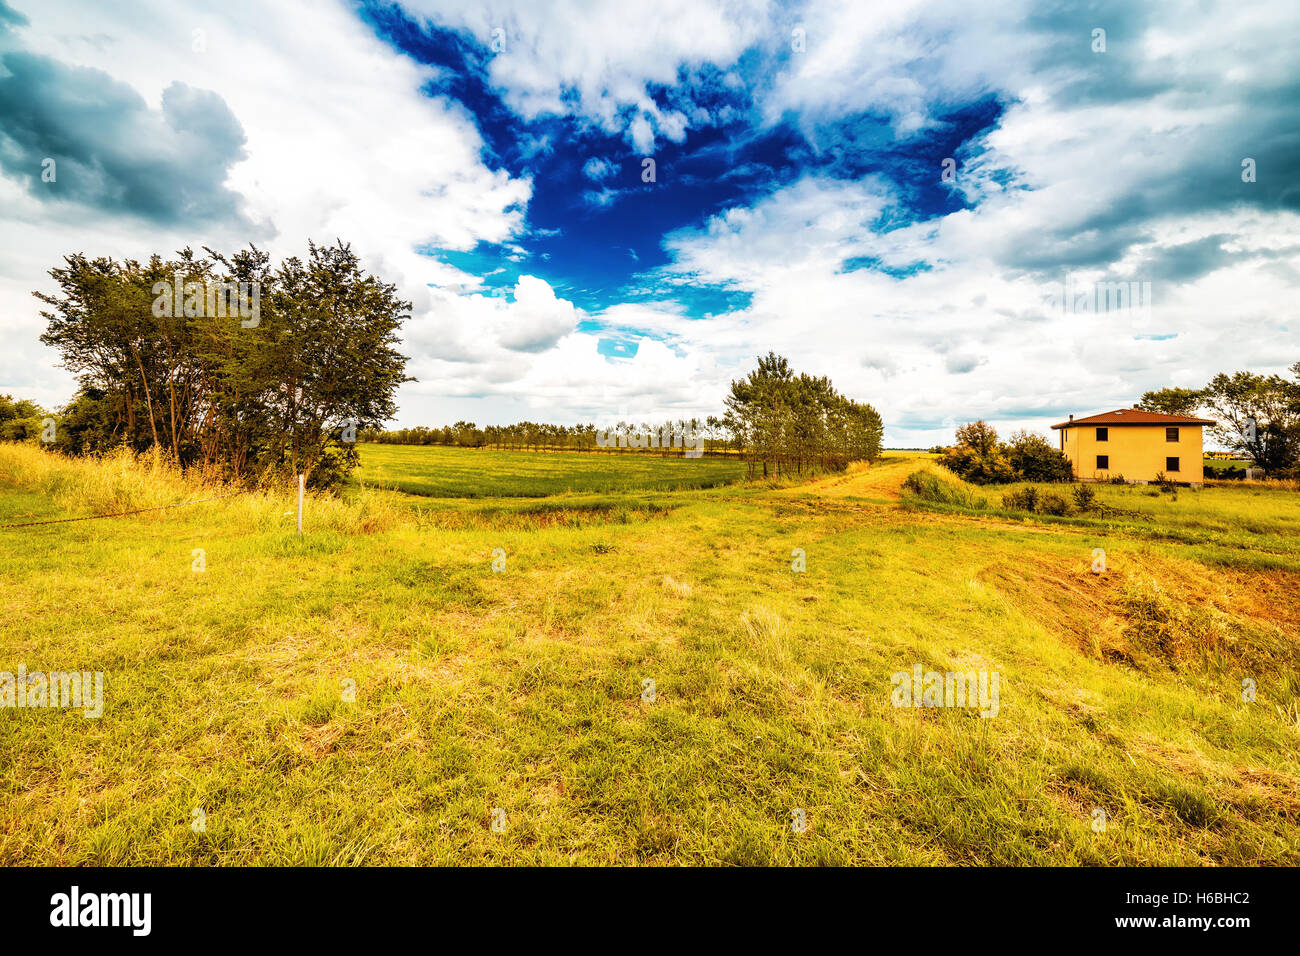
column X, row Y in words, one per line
column 1033, row 458
column 186, row 373
column 20, row 419
column 792, row 423
column 978, row 456
column 1173, row 401
column 1258, row 416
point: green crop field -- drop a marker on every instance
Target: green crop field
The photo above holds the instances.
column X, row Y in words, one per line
column 644, row 678
column 441, row 472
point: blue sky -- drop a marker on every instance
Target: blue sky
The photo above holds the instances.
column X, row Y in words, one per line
column 888, row 195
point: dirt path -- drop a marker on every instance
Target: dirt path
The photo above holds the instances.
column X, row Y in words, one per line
column 884, row 479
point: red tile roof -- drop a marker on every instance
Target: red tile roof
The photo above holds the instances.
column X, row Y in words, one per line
column 1134, row 416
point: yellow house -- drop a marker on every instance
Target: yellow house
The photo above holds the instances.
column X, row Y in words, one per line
column 1136, row 445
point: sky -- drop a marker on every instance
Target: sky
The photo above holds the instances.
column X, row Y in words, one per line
column 606, row 211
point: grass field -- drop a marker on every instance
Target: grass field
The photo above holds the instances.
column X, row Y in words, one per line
column 443, row 472
column 374, row 691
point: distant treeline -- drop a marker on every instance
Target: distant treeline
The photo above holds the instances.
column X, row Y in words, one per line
column 780, row 422
column 540, row 436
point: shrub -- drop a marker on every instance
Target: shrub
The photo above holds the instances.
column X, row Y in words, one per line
column 1033, row 458
column 979, row 457
column 1085, row 497
column 1022, row 499
column 1050, row 504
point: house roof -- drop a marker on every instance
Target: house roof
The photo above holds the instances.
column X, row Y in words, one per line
column 1134, row 416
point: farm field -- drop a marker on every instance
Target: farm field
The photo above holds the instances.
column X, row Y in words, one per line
column 444, row 472
column 373, row 691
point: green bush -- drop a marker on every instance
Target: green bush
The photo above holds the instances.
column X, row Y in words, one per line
column 1022, row 499
column 1085, row 497
column 980, row 458
column 1050, row 504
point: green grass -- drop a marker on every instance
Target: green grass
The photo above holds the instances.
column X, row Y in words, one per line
column 1222, row 464
column 442, row 472
column 522, row 690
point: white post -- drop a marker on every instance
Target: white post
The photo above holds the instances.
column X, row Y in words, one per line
column 300, row 484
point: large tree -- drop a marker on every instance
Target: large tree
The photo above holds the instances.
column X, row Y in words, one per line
column 256, row 390
column 1173, row 401
column 1258, row 416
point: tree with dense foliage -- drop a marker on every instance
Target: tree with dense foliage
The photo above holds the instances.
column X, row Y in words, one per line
column 1034, row 458
column 256, row 394
column 1258, row 416
column 1173, row 401
column 789, row 423
column 979, row 457
column 20, row 419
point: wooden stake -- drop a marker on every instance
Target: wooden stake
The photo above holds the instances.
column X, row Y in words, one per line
column 300, row 486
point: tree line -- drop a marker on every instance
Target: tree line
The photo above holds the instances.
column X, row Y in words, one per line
column 538, row 436
column 780, row 422
column 226, row 362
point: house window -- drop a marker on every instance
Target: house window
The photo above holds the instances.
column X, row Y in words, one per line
column 1171, row 464
column 1103, row 461
column 1103, row 434
column 1171, row 434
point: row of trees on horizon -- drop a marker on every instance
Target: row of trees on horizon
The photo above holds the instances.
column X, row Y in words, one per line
column 780, row 422
column 541, row 436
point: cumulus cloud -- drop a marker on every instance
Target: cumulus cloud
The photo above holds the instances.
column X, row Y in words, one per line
column 110, row 150
column 591, row 60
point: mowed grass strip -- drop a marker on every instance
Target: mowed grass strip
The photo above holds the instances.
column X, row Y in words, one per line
column 373, row 696
column 444, row 472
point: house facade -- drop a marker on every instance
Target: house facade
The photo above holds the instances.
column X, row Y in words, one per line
column 1136, row 445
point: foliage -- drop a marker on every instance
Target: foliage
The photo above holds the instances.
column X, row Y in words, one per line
column 1033, row 458
column 538, row 436
column 261, row 392
column 1259, row 417
column 1173, row 401
column 1085, row 497
column 20, row 419
column 791, row 424
column 979, row 457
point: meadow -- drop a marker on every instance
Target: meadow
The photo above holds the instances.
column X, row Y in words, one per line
column 645, row 678
column 445, row 472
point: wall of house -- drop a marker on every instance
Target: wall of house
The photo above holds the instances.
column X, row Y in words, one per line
column 1137, row 452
